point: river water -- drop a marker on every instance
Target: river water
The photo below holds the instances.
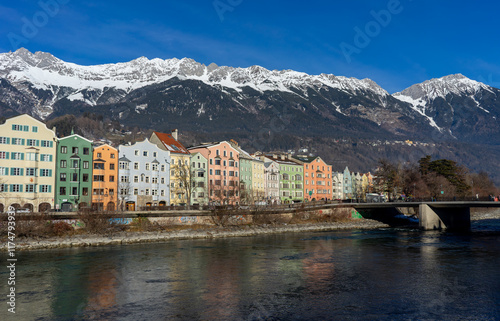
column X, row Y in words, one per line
column 387, row 274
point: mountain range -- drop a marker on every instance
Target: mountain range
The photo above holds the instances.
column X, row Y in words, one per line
column 185, row 94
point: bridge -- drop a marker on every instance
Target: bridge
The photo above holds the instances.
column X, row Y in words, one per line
column 431, row 215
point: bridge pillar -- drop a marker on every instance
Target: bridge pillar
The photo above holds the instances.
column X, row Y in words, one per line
column 437, row 218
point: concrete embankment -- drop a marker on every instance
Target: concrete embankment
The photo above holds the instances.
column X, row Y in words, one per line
column 128, row 237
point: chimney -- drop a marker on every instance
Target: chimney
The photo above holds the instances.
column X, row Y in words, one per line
column 174, row 133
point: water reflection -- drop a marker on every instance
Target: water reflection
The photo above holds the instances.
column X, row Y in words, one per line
column 380, row 274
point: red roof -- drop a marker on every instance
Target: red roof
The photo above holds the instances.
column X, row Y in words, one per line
column 171, row 144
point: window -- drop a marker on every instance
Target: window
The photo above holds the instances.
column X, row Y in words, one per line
column 85, row 177
column 162, row 168
column 162, row 180
column 136, row 179
column 147, row 166
column 17, row 127
column 211, row 161
column 75, row 163
column 46, row 143
column 231, row 163
column 154, row 180
column 99, row 178
column 112, row 166
column 4, row 171
column 31, row 142
column 86, row 151
column 34, row 129
column 136, row 152
column 111, row 178
column 4, row 140
column 98, row 165
column 211, row 173
column 45, row 188
column 86, row 164
column 4, row 155
column 145, row 153
column 217, row 162
column 202, row 174
column 30, row 171
column 112, row 156
column 16, row 188
column 16, row 171
column 136, row 191
column 231, row 173
column 45, row 172
column 217, row 172
column 124, row 179
column 154, row 154
column 74, row 191
column 123, row 165
column 225, row 154
column 74, row 177
column 136, row 165
column 31, row 156
column 147, row 179
column 162, row 192
column 111, row 191
column 17, row 141
column 45, row 158
column 154, row 167
column 64, row 149
column 30, row 188
column 147, row 191
column 85, row 191
column 18, row 156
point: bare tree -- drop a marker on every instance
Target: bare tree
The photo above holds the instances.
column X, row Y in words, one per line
column 124, row 191
column 187, row 182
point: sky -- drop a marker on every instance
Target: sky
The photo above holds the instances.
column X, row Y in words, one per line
column 395, row 43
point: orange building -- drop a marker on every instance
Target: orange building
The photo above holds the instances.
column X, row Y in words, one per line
column 105, row 178
column 317, row 178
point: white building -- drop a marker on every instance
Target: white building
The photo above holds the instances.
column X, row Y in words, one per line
column 144, row 176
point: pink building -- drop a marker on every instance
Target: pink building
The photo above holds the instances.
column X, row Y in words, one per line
column 223, row 172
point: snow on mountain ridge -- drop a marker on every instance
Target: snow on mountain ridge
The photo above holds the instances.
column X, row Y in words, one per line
column 44, row 71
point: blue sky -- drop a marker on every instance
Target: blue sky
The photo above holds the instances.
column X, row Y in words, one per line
column 395, row 43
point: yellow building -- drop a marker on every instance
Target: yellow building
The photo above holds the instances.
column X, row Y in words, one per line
column 180, row 162
column 258, row 181
column 27, row 164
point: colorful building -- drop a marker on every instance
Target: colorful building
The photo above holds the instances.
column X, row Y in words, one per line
column 338, row 185
column 144, row 179
column 272, row 176
column 179, row 166
column 347, row 184
column 291, row 177
column 73, row 173
column 317, row 178
column 258, row 181
column 223, row 172
column 199, row 179
column 105, row 178
column 27, row 164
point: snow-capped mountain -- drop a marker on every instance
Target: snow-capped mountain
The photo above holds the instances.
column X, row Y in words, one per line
column 182, row 92
column 456, row 104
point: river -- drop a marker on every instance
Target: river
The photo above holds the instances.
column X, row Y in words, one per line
column 383, row 274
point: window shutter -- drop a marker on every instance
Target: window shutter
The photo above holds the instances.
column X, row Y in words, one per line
column 26, row 128
column 37, row 142
column 6, row 155
column 22, row 156
column 12, row 171
column 22, row 141
column 51, row 144
column 13, row 126
column 8, row 140
column 21, row 188
column 22, row 170
column 50, row 158
column 50, row 188
column 11, row 188
column 50, row 173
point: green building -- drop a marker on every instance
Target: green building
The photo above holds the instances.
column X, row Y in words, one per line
column 291, row 178
column 73, row 173
column 199, row 179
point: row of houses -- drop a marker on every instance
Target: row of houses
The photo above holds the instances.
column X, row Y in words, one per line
column 40, row 172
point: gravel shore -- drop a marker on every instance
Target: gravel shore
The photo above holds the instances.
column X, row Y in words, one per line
column 210, row 232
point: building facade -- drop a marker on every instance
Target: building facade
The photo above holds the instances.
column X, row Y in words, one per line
column 199, row 179
column 144, row 176
column 272, row 183
column 317, row 178
column 338, row 186
column 258, row 181
column 179, row 166
column 347, row 184
column 223, row 172
column 73, row 173
column 291, row 178
column 105, row 178
column 27, row 164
